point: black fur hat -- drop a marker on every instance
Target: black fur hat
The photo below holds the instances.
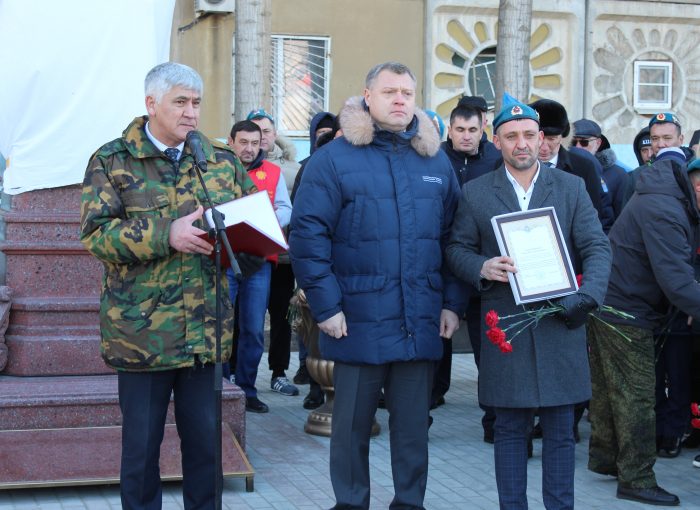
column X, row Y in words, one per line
column 553, row 117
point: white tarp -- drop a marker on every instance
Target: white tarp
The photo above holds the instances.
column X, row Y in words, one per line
column 72, row 79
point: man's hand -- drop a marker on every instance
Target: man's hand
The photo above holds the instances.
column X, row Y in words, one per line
column 576, row 309
column 497, row 269
column 335, row 326
column 449, row 323
column 183, row 236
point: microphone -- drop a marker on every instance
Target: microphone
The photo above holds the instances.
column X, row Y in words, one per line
column 194, row 142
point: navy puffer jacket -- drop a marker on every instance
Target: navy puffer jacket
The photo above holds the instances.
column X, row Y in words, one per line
column 370, row 219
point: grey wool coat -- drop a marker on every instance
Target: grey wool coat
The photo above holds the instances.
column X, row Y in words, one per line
column 549, row 362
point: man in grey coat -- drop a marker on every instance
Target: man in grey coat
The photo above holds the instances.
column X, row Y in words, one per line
column 548, row 367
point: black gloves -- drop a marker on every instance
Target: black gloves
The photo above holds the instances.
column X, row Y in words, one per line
column 249, row 264
column 576, row 309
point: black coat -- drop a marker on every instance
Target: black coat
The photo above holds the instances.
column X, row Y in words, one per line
column 654, row 242
column 578, row 165
column 467, row 167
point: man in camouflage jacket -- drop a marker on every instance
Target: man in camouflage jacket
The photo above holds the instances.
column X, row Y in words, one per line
column 141, row 215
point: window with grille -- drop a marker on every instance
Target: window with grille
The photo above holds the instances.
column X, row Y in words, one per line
column 653, row 82
column 299, row 87
column 482, row 76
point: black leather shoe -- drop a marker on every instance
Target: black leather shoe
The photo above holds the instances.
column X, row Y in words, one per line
column 529, row 447
column 255, row 405
column 437, row 402
column 670, row 447
column 537, row 431
column 488, row 436
column 604, row 471
column 651, row 496
column 314, row 399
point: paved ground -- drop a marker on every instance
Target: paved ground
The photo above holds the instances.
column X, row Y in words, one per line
column 292, row 467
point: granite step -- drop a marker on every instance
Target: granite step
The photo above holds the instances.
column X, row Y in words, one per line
column 44, row 413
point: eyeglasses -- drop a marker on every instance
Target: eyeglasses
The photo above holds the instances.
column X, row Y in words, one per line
column 583, row 142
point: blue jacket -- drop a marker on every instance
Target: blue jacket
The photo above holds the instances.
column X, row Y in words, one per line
column 370, row 219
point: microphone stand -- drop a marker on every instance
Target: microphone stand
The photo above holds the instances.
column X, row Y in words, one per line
column 218, row 233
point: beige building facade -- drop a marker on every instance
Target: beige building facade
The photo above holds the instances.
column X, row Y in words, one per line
column 614, row 61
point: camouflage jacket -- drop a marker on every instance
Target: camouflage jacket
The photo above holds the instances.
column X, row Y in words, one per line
column 158, row 306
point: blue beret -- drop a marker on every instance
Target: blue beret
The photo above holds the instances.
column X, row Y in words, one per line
column 260, row 114
column 662, row 118
column 513, row 109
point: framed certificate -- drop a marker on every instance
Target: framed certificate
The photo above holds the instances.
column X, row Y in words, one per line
column 534, row 240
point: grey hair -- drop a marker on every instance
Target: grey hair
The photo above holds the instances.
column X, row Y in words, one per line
column 168, row 75
column 394, row 67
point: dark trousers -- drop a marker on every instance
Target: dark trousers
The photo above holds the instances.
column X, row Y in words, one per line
column 474, row 321
column 674, row 356
column 443, row 371
column 512, row 429
column 144, row 399
column 281, row 291
column 407, row 388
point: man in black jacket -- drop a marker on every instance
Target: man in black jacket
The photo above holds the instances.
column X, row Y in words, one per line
column 555, row 124
column 472, row 156
column 653, row 243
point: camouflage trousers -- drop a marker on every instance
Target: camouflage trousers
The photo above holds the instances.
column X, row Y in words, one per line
column 623, row 425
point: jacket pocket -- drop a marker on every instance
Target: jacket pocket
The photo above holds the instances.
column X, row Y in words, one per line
column 138, row 204
column 361, row 283
column 435, row 281
column 356, row 224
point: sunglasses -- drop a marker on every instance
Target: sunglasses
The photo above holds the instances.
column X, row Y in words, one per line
column 583, row 142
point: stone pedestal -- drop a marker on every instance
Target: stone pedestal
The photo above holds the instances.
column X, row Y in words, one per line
column 52, row 377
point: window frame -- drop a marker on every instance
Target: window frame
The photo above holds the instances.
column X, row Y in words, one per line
column 277, row 60
column 653, row 106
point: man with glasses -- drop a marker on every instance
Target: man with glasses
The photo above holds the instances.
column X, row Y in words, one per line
column 589, row 137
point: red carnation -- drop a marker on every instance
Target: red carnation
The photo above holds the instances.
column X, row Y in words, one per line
column 695, row 409
column 496, row 335
column 491, row 319
column 506, row 348
column 695, row 422
column 579, row 279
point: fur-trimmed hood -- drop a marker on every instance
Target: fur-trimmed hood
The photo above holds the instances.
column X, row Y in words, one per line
column 606, row 157
column 359, row 129
column 284, row 150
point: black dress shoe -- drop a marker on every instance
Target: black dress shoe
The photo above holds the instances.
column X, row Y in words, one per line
column 651, row 496
column 488, row 435
column 437, row 402
column 669, row 447
column 255, row 405
column 529, row 447
column 693, row 440
column 604, row 471
column 314, row 399
column 381, row 403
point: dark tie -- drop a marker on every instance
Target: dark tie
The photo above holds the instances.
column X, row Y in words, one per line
column 172, row 153
column 548, row 164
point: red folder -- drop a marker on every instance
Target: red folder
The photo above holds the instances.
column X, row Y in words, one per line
column 251, row 227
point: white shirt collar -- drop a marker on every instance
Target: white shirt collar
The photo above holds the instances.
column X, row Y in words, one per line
column 522, row 195
column 160, row 145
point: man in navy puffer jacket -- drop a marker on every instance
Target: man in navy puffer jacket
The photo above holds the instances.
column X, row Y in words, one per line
column 370, row 220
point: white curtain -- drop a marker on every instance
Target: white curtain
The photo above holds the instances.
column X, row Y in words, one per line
column 71, row 80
